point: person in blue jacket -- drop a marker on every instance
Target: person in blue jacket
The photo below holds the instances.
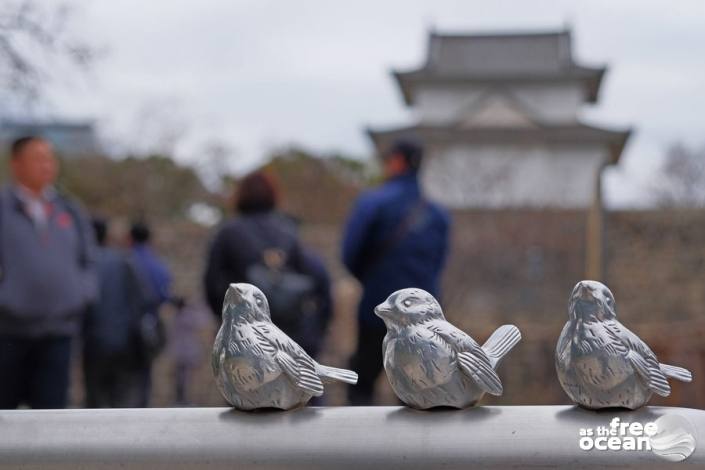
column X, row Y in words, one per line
column 395, row 238
column 155, row 279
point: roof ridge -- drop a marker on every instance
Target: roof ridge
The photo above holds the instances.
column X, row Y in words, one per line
column 499, row 33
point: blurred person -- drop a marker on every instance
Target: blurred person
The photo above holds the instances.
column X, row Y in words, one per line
column 261, row 246
column 316, row 316
column 47, row 279
column 155, row 280
column 315, row 321
column 395, row 238
column 185, row 345
column 112, row 375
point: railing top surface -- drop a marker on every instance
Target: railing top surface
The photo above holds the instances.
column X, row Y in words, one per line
column 336, row 437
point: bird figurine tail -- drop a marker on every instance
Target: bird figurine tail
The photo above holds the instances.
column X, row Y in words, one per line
column 675, row 372
column 331, row 374
column 501, row 342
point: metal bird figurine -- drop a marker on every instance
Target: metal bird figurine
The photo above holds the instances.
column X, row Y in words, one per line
column 600, row 363
column 256, row 365
column 431, row 363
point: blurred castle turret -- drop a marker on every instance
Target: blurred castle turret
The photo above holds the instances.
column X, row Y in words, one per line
column 500, row 117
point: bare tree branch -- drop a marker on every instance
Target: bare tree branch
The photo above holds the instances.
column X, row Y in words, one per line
column 35, row 39
column 681, row 182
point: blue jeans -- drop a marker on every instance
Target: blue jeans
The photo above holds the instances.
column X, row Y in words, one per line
column 34, row 371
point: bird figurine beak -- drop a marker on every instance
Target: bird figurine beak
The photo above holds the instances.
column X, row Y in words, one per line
column 235, row 294
column 383, row 310
column 585, row 292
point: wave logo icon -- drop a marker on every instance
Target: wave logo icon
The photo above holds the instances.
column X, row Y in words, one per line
column 674, row 439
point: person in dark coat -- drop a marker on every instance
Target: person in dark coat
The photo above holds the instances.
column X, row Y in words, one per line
column 111, row 370
column 261, row 235
column 155, row 280
column 317, row 317
column 395, row 238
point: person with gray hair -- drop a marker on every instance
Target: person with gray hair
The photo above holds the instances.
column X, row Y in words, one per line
column 47, row 279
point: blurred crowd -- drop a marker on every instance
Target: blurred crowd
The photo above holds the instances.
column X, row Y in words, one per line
column 66, row 283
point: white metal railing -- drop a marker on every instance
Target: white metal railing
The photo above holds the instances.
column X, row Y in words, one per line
column 339, row 437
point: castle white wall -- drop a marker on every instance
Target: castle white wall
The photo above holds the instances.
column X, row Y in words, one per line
column 502, row 176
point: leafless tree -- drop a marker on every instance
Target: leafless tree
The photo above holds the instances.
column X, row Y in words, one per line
column 35, row 42
column 154, row 125
column 681, row 182
column 160, row 124
column 214, row 164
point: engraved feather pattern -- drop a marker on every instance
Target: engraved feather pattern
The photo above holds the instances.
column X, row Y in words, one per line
column 600, row 362
column 429, row 362
column 256, row 365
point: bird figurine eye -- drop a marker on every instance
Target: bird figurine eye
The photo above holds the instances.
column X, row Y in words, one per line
column 258, row 301
column 407, row 303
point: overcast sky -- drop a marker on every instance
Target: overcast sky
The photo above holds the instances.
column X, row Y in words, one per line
column 259, row 74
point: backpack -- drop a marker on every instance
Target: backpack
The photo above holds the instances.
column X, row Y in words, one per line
column 289, row 291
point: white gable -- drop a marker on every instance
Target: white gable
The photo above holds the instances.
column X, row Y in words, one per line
column 496, row 110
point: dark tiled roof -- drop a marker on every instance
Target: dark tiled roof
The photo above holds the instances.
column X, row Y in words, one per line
column 521, row 57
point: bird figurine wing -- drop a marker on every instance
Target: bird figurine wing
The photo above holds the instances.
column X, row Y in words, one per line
column 640, row 356
column 219, row 352
column 472, row 360
column 563, row 348
column 299, row 366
